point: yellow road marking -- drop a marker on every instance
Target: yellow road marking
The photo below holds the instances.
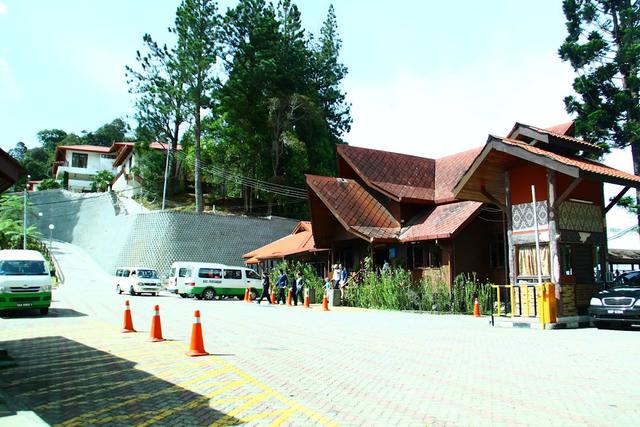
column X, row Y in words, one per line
column 264, row 415
column 283, row 417
column 253, row 400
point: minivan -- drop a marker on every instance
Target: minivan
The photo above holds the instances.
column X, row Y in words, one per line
column 25, row 281
column 137, row 280
column 208, row 281
column 179, row 270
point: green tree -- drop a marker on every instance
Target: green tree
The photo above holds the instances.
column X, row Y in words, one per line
column 37, row 162
column 50, row 138
column 197, row 30
column 11, row 225
column 603, row 47
column 102, row 180
column 150, row 167
column 107, row 134
column 49, row 184
column 19, row 151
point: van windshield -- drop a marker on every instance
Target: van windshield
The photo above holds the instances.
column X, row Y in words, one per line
column 22, row 268
column 147, row 274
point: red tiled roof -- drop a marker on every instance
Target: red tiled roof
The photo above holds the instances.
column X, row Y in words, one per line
column 582, row 164
column 400, row 176
column 300, row 240
column 566, row 137
column 356, row 209
column 441, row 222
column 565, row 129
column 449, row 170
column 89, row 148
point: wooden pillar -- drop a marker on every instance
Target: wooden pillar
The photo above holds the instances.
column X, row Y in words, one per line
column 554, row 247
column 509, row 225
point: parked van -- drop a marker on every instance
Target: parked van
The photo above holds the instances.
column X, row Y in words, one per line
column 179, row 270
column 208, row 281
column 25, row 281
column 137, row 280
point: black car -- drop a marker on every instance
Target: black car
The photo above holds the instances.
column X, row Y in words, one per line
column 619, row 304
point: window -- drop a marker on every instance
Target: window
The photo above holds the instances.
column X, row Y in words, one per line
column 184, row 272
column 415, row 258
column 233, row 274
column 252, row 274
column 210, row 273
column 527, row 261
column 79, row 160
column 147, row 274
column 22, row 268
column 435, row 256
column 566, row 263
column 125, row 273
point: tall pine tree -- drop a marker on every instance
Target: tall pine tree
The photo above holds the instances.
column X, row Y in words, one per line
column 603, row 47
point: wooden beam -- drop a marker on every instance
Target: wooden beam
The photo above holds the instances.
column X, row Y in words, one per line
column 566, row 192
column 494, row 200
column 616, row 199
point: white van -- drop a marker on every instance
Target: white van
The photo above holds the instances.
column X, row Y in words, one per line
column 137, row 280
column 208, row 281
column 25, row 281
column 179, row 270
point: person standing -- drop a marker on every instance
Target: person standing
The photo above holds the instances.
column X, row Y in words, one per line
column 336, row 276
column 282, row 285
column 344, row 275
column 265, row 288
column 292, row 287
column 299, row 287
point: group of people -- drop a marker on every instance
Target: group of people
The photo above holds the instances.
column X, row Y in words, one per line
column 296, row 287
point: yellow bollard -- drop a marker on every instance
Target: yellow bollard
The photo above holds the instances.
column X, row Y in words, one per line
column 498, row 292
column 513, row 302
column 527, row 300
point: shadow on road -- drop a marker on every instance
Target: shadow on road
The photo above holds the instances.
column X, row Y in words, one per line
column 67, row 382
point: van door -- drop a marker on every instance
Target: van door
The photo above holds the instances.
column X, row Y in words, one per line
column 233, row 285
column 252, row 279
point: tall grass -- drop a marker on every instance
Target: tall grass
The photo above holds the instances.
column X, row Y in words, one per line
column 395, row 290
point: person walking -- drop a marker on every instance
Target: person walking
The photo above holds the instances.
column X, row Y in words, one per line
column 265, row 288
column 299, row 287
column 282, row 285
column 292, row 287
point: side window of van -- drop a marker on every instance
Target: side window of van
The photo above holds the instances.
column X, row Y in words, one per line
column 125, row 273
column 233, row 274
column 252, row 274
column 118, row 273
column 184, row 272
column 210, row 273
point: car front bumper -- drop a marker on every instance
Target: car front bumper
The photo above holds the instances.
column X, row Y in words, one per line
column 615, row 314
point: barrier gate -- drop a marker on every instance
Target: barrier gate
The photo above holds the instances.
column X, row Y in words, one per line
column 526, row 300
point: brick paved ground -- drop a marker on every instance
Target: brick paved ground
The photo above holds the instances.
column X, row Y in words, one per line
column 275, row 365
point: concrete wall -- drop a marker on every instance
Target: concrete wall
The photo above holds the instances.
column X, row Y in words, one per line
column 96, row 223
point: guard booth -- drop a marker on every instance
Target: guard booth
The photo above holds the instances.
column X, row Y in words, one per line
column 551, row 193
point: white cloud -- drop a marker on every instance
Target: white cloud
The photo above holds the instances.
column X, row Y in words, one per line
column 3, row 9
column 454, row 110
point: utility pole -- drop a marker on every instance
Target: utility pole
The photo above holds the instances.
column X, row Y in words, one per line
column 166, row 173
column 24, row 215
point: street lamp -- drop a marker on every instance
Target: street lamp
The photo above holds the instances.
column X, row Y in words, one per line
column 24, row 215
column 51, row 227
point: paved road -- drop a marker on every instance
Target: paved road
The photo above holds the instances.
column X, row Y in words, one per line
column 274, row 365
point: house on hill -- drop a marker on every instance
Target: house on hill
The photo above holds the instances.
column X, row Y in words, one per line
column 401, row 209
column 81, row 163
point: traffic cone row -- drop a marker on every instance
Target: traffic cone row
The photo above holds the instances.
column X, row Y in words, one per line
column 196, row 346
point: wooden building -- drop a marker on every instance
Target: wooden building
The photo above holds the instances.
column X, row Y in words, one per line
column 401, row 209
column 569, row 205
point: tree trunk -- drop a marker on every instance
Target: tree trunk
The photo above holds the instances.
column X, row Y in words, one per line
column 635, row 154
column 196, row 175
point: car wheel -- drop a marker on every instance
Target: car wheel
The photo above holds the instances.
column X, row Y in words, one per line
column 44, row 311
column 208, row 294
column 132, row 292
column 183, row 295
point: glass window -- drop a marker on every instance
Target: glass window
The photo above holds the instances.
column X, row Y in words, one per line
column 79, row 160
column 210, row 273
column 147, row 274
column 173, row 273
column 233, row 274
column 435, row 256
column 125, row 273
column 184, row 272
column 252, row 274
column 566, row 264
column 527, row 261
column 22, row 268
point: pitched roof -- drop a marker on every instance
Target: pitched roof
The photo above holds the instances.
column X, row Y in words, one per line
column 449, row 170
column 399, row 176
column 300, row 240
column 440, row 222
column 355, row 208
column 563, row 128
column 88, row 148
column 555, row 135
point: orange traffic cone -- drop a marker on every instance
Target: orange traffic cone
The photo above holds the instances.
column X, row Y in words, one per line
column 156, row 328
column 476, row 308
column 289, row 298
column 325, row 302
column 306, row 299
column 246, row 294
column 273, row 296
column 128, row 322
column 196, row 348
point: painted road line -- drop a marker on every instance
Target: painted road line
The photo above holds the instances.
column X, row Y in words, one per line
column 283, row 417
